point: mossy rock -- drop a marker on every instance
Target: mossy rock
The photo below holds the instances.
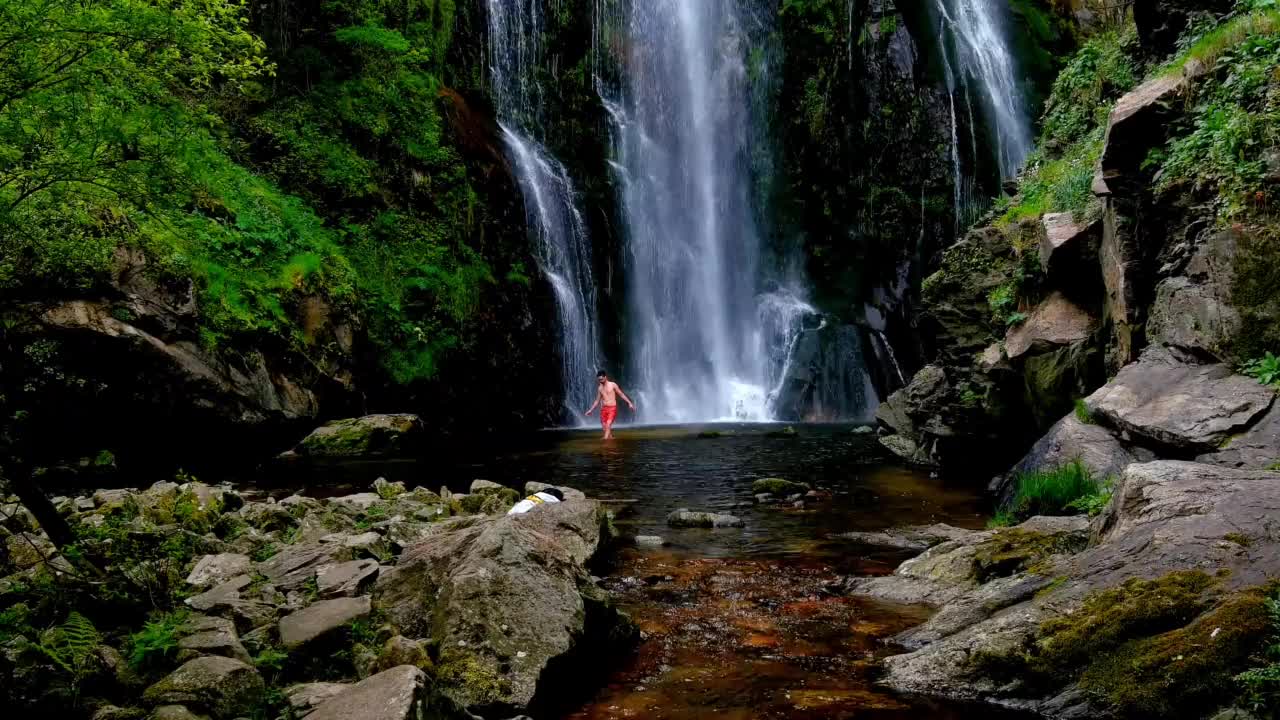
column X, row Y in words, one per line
column 368, row 435
column 710, row 434
column 786, row 432
column 469, row 681
column 489, row 502
column 1014, row 550
column 777, row 487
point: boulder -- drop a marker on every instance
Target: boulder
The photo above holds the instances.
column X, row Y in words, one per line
column 217, row 569
column 513, row 600
column 395, row 694
column 1054, row 322
column 346, row 579
column 225, row 687
column 1052, row 381
column 916, row 538
column 356, row 503
column 1068, row 249
column 175, row 712
column 1179, row 405
column 921, row 398
column 1067, row 441
column 1165, row 516
column 220, row 594
column 569, row 493
column 368, row 435
column 1138, row 122
column 400, row 650
column 686, row 518
column 305, row 697
column 203, row 635
column 481, row 486
column 777, row 487
column 826, row 376
column 650, row 541
column 295, row 565
column 321, row 618
column 907, row 449
column 1257, row 448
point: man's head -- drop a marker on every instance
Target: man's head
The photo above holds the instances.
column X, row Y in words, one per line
column 602, row 377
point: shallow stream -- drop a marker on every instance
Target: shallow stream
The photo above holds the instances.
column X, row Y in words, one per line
column 737, row 623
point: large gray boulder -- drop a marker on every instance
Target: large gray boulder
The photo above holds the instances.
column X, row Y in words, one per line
column 217, row 569
column 204, row 635
column 1175, row 404
column 1193, row 311
column 503, row 597
column 295, row 565
column 1165, row 516
column 368, row 435
column 396, row 694
column 225, row 687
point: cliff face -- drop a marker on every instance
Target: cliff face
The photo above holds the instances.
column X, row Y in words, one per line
column 1130, row 232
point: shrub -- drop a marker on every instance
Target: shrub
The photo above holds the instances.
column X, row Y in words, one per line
column 1098, row 73
column 156, row 642
column 1265, row 369
column 1083, row 414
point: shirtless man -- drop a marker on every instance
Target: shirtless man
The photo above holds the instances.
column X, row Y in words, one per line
column 607, row 394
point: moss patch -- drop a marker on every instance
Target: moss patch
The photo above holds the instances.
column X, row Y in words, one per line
column 469, row 681
column 1013, row 550
column 777, row 487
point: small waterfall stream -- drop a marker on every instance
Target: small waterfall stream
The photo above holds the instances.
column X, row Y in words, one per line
column 562, row 246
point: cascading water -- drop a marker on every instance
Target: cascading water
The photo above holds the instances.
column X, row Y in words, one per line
column 563, row 249
column 704, row 342
column 978, row 57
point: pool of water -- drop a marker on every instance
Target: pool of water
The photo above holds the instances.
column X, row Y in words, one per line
column 737, row 623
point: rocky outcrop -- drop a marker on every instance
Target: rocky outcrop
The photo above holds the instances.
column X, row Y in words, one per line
column 1069, row 249
column 826, row 376
column 1166, row 517
column 514, row 603
column 1193, row 312
column 1186, row 407
column 368, row 435
column 1054, row 322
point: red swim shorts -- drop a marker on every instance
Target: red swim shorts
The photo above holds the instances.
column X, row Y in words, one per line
column 608, row 413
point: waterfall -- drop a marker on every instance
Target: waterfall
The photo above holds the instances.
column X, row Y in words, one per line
column 979, row 55
column 562, row 247
column 704, row 341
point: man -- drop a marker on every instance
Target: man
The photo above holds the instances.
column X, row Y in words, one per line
column 607, row 394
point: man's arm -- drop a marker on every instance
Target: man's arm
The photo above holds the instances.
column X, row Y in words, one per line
column 624, row 396
column 594, row 404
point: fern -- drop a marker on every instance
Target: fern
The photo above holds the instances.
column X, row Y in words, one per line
column 70, row 646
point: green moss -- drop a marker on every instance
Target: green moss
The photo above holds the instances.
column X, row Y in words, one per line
column 1187, row 672
column 469, row 680
column 1065, row 646
column 1238, row 538
column 777, row 487
column 1013, row 550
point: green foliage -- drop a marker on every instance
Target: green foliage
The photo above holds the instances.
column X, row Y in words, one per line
column 14, row 622
column 1003, row 302
column 1099, row 72
column 1236, row 115
column 1265, row 369
column 1055, row 491
column 1095, row 502
column 71, row 645
column 1002, row 518
column 154, row 645
column 1261, row 683
column 1062, row 184
column 1083, row 415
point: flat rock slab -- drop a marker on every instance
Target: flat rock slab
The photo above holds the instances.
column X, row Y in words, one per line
column 1258, row 448
column 320, row 619
column 1170, row 403
column 293, row 566
column 225, row 687
column 306, row 696
column 395, row 694
column 915, row 538
column 345, row 579
column 204, row 635
column 215, row 569
column 1056, row 321
column 686, row 518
